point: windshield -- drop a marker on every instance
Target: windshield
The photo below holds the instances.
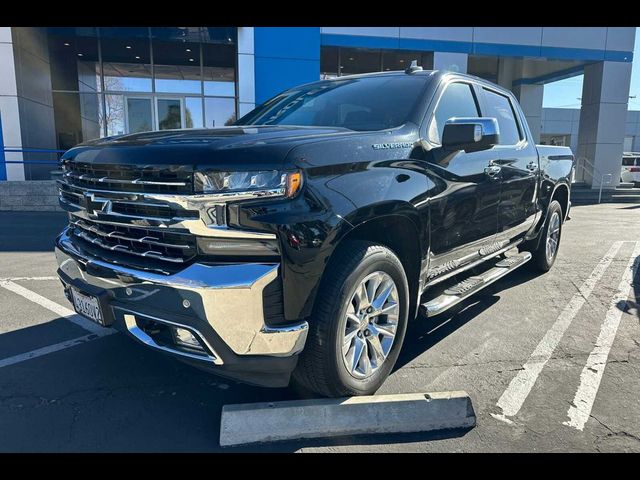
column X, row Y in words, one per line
column 368, row 103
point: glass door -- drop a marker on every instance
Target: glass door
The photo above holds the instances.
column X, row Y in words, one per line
column 170, row 113
column 138, row 114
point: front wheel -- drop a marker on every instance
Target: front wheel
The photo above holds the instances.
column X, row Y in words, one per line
column 358, row 323
column 546, row 252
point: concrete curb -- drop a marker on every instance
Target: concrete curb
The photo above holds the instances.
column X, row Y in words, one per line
column 302, row 419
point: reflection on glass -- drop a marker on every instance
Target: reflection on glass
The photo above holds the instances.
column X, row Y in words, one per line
column 219, row 69
column 73, row 60
column 219, row 112
column 127, row 63
column 219, row 82
column 402, row 60
column 169, row 114
column 113, row 119
column 177, row 66
column 77, row 118
column 193, row 112
column 139, row 117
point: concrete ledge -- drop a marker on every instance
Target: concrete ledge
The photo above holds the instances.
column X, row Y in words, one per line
column 303, row 419
column 34, row 195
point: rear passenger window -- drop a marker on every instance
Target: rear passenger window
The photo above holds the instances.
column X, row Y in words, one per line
column 456, row 101
column 500, row 107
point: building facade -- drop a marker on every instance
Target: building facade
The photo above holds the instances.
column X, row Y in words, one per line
column 560, row 126
column 65, row 85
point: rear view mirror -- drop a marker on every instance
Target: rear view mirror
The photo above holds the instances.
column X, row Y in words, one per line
column 470, row 134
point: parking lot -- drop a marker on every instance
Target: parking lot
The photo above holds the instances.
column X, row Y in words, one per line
column 551, row 362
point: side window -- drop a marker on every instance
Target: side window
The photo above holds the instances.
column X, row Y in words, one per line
column 456, row 101
column 628, row 162
column 500, row 107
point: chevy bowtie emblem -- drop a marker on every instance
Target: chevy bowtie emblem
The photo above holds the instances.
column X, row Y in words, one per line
column 92, row 206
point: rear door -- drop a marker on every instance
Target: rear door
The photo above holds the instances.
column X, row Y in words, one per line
column 516, row 158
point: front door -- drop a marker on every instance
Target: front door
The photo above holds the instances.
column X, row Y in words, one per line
column 170, row 113
column 138, row 114
column 464, row 212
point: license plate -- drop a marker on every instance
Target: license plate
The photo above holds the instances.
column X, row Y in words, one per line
column 87, row 306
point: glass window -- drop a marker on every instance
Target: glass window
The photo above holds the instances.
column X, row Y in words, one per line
column 74, row 60
column 114, row 115
column 500, row 107
column 77, row 118
column 139, row 115
column 193, row 112
column 370, row 103
column 356, row 60
column 401, row 60
column 219, row 112
column 219, row 69
column 456, row 101
column 328, row 62
column 126, row 57
column 177, row 67
column 169, row 113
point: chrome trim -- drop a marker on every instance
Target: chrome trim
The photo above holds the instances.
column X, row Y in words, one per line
column 133, row 328
column 137, row 181
column 229, row 297
column 475, row 263
column 146, row 239
column 205, row 225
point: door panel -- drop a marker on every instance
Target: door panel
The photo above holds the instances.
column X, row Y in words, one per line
column 464, row 214
column 139, row 115
column 517, row 158
column 170, row 114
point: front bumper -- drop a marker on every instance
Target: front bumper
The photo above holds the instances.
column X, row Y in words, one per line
column 222, row 305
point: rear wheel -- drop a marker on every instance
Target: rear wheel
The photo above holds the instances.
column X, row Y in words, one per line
column 546, row 252
column 358, row 324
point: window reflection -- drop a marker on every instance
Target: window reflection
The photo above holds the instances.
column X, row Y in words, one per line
column 76, row 117
column 219, row 112
column 150, row 78
column 193, row 112
column 177, row 67
column 126, row 58
column 219, row 69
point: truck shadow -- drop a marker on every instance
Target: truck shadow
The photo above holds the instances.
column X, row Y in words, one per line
column 424, row 333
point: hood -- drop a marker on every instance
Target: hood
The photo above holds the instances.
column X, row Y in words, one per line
column 253, row 147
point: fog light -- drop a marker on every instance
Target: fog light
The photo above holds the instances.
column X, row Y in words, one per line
column 185, row 338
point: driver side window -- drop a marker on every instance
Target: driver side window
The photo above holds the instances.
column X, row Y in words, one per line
column 456, row 101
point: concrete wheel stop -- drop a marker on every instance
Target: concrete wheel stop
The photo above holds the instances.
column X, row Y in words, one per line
column 252, row 423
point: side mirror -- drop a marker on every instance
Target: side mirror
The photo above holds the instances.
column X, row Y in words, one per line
column 470, row 134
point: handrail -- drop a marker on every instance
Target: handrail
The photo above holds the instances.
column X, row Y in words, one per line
column 608, row 176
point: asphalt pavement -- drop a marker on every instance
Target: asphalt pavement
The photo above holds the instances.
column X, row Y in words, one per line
column 551, row 361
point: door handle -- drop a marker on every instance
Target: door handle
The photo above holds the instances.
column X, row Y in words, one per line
column 492, row 170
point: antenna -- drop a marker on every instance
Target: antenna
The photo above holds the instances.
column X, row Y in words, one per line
column 413, row 67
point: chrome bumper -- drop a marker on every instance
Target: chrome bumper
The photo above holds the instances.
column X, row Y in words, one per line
column 226, row 298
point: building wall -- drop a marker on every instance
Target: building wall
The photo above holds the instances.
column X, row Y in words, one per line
column 9, row 108
column 566, row 121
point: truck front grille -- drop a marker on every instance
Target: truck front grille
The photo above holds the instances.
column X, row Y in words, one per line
column 162, row 245
column 169, row 179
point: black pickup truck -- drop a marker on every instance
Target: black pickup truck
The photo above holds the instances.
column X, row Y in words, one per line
column 299, row 242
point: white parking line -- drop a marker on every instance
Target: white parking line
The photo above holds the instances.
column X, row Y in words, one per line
column 5, row 362
column 592, row 372
column 56, row 308
column 518, row 390
column 27, row 278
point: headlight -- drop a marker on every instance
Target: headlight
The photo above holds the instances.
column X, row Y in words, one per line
column 265, row 182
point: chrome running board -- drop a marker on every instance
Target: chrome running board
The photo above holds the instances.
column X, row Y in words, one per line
column 467, row 287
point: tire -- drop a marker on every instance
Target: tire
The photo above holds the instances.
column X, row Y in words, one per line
column 324, row 367
column 542, row 261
